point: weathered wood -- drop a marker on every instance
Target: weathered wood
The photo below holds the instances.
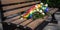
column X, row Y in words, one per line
column 15, row 11
column 53, row 10
column 18, row 5
column 26, row 22
column 50, row 9
column 35, row 23
column 12, row 19
column 18, row 21
column 13, row 1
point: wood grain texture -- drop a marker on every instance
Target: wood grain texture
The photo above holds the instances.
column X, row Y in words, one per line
column 53, row 10
column 35, row 23
column 26, row 22
column 12, row 19
column 18, row 5
column 15, row 11
column 13, row 1
column 18, row 21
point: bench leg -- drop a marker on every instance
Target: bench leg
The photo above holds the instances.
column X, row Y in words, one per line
column 53, row 20
column 53, row 16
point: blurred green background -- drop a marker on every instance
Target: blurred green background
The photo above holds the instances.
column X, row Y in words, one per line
column 52, row 3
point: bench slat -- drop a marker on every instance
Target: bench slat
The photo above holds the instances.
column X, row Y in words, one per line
column 15, row 11
column 18, row 21
column 53, row 11
column 18, row 5
column 35, row 23
column 13, row 1
column 26, row 22
column 12, row 19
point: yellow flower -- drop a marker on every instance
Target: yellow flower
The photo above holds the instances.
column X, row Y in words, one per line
column 39, row 5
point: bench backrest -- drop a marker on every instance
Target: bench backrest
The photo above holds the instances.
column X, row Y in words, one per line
column 13, row 8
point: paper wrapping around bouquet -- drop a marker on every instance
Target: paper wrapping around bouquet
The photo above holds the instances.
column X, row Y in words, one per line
column 40, row 8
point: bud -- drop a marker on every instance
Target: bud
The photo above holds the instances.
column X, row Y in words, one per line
column 41, row 3
column 36, row 6
column 46, row 5
column 46, row 10
column 43, row 13
column 40, row 11
column 37, row 9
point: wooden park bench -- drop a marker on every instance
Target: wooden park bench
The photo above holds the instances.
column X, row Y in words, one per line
column 11, row 11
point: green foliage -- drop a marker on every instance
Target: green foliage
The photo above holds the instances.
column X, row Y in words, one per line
column 37, row 15
column 52, row 3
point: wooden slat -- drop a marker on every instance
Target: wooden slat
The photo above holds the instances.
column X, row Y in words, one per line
column 46, row 17
column 53, row 10
column 15, row 11
column 19, row 5
column 12, row 19
column 26, row 22
column 13, row 1
column 50, row 9
column 18, row 21
column 35, row 23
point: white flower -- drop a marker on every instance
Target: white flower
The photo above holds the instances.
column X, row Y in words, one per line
column 37, row 9
column 46, row 4
column 41, row 3
column 43, row 13
column 36, row 6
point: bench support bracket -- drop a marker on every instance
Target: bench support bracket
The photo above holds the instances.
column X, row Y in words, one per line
column 53, row 20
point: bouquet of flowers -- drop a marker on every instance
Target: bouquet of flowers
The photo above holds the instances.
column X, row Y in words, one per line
column 36, row 11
